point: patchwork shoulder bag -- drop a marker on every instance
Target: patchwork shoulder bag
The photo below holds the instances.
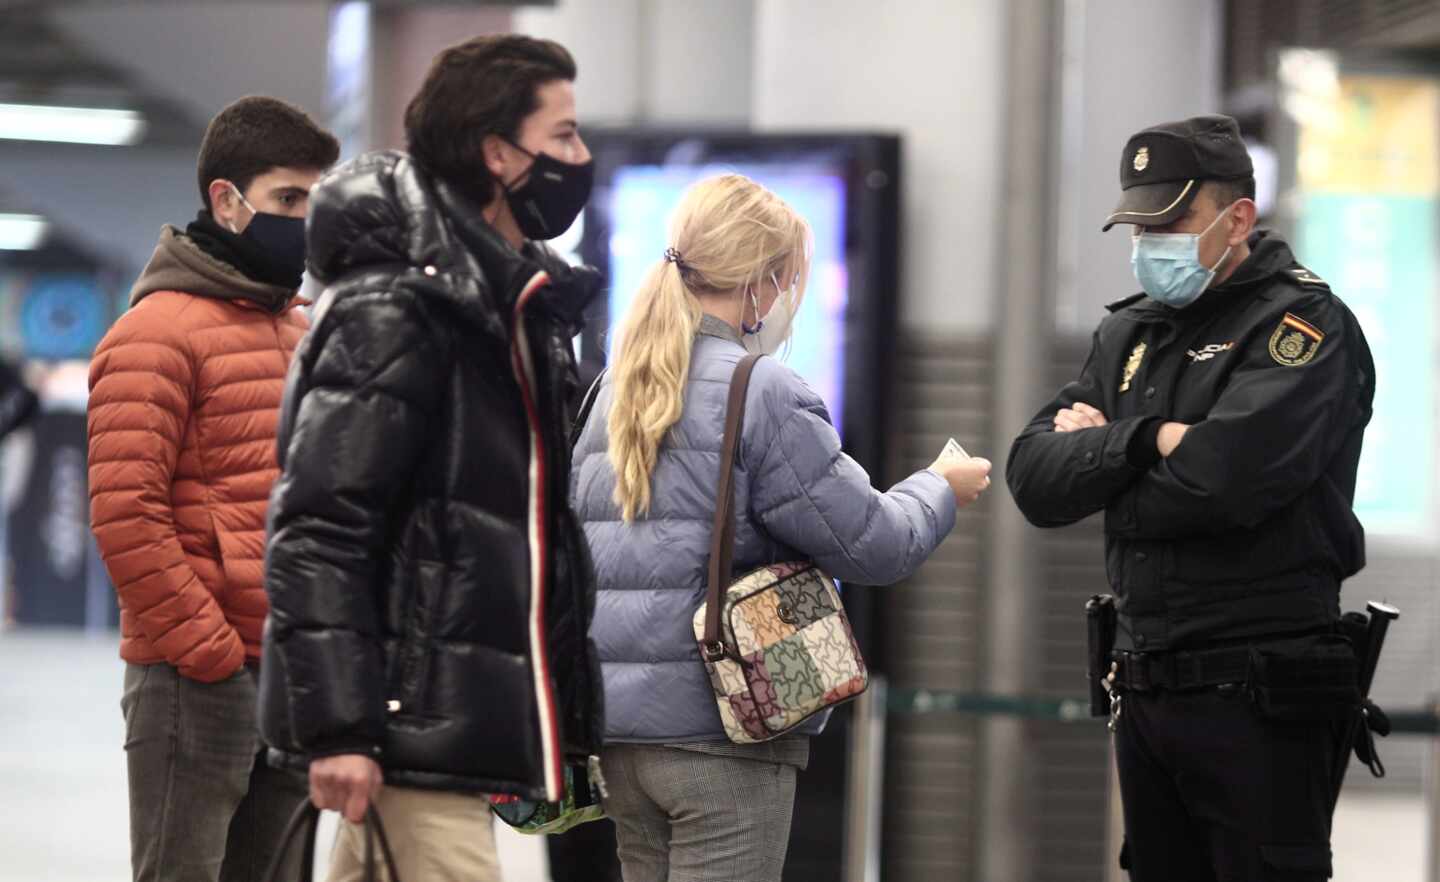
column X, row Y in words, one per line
column 776, row 642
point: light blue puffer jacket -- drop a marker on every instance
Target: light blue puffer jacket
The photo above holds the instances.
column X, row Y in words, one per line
column 802, row 498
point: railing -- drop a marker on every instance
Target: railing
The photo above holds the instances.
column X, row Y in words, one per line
column 866, row 772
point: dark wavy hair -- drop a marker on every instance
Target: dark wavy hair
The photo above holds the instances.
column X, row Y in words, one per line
column 484, row 86
column 257, row 134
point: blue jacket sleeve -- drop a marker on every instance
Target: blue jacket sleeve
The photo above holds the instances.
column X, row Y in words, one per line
column 808, row 494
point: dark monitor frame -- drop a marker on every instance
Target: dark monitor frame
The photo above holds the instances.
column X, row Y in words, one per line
column 870, row 165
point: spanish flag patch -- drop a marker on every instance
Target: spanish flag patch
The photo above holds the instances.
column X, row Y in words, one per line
column 1295, row 342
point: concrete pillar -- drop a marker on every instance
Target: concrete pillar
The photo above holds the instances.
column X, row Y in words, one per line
column 1142, row 62
column 932, row 71
column 1025, row 308
column 675, row 62
column 405, row 42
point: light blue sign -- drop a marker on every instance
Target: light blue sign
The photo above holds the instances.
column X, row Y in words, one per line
column 1379, row 255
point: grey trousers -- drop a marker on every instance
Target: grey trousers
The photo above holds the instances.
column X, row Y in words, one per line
column 204, row 806
column 682, row 816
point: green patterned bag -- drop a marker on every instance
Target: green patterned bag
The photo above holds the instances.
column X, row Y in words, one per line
column 539, row 818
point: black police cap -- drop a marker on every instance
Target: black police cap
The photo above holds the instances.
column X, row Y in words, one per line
column 1163, row 167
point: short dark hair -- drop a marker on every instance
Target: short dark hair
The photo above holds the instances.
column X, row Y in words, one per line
column 1227, row 190
column 484, row 86
column 256, row 134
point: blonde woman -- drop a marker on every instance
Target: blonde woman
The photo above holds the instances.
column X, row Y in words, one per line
column 688, row 804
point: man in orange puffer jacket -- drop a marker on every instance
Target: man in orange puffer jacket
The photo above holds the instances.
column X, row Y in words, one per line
column 184, row 399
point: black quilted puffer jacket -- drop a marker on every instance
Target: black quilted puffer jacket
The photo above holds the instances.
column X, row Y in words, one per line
column 430, row 590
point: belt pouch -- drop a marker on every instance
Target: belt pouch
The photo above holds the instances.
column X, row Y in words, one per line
column 1305, row 679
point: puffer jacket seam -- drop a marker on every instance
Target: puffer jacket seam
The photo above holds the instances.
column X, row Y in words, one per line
column 801, row 494
column 406, row 301
column 805, row 493
column 191, row 423
column 446, row 501
column 150, row 575
column 202, row 460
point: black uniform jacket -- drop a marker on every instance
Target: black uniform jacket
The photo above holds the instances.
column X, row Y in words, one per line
column 1247, row 529
column 430, row 590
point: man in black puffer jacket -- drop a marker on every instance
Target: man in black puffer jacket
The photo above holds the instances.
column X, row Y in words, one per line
column 430, row 592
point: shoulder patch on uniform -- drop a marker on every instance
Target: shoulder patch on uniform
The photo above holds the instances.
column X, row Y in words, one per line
column 1295, row 341
column 1305, row 277
column 1124, row 302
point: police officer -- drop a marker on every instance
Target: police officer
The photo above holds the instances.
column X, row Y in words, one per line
column 1218, row 424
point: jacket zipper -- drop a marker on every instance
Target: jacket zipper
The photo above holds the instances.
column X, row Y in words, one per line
column 538, row 535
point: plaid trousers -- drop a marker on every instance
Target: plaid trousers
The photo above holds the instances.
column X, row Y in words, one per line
column 682, row 816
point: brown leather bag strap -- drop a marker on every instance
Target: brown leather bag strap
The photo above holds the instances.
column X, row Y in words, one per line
column 722, row 533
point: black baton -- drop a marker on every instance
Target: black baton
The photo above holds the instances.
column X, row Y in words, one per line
column 1381, row 615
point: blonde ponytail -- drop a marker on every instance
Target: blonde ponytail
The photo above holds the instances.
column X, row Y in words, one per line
column 728, row 234
column 649, row 384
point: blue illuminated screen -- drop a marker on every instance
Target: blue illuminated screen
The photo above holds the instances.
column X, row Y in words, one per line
column 642, row 198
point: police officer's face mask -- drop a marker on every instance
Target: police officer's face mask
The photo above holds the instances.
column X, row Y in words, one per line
column 1168, row 267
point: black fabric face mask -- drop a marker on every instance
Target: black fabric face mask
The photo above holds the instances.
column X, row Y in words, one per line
column 282, row 240
column 552, row 197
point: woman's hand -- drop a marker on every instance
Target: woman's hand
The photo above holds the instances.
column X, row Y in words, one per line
column 968, row 478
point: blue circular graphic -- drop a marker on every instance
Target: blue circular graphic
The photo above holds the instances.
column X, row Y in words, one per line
column 62, row 316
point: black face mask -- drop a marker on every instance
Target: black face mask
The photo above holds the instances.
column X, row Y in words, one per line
column 282, row 240
column 554, row 195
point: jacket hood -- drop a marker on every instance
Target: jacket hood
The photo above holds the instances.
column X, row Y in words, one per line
column 178, row 264
column 382, row 209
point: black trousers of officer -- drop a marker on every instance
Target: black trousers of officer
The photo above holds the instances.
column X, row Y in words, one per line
column 1213, row 793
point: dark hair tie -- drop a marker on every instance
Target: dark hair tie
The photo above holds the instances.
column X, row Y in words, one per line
column 673, row 256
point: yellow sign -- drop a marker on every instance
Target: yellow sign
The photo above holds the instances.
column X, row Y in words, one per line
column 1374, row 135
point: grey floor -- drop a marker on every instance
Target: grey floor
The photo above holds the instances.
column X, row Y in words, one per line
column 62, row 779
column 62, row 768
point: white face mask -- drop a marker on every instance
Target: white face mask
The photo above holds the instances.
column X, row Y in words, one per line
column 770, row 334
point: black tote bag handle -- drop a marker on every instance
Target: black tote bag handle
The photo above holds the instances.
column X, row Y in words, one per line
column 307, row 818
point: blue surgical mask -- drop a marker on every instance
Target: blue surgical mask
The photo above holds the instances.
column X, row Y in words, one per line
column 1168, row 267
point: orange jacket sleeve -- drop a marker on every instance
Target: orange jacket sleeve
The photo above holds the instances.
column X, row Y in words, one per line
column 142, row 382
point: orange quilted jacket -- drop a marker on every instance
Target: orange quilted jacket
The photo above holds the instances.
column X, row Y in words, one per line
column 185, row 394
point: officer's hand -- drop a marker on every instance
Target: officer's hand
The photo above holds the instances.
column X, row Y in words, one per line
column 1171, row 434
column 968, row 478
column 345, row 783
column 1081, row 416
